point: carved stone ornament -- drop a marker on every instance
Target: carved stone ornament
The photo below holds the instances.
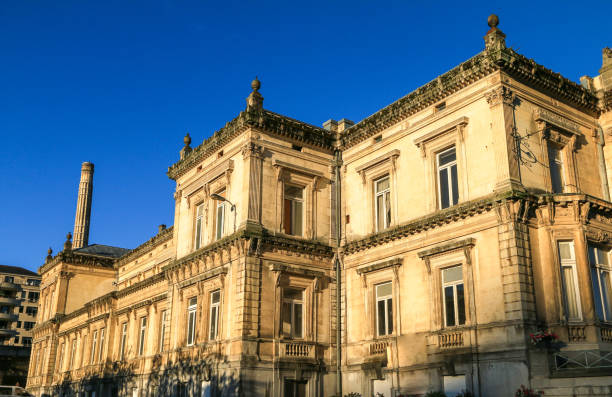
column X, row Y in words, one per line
column 500, row 95
column 550, row 118
column 598, row 236
column 252, row 149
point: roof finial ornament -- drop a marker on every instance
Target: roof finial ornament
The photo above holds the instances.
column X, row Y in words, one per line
column 49, row 254
column 495, row 39
column 68, row 243
column 255, row 99
column 186, row 149
column 255, row 84
column 493, row 21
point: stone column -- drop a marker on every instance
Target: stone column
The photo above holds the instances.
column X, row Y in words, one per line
column 83, row 210
column 253, row 157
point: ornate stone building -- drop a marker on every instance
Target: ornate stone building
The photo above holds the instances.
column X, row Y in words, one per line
column 434, row 245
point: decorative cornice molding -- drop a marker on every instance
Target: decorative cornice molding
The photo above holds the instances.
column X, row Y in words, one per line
column 141, row 285
column 372, row 267
column 544, row 116
column 261, row 119
column 145, row 247
column 74, row 258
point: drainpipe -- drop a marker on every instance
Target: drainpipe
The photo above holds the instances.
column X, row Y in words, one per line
column 338, row 164
column 602, row 164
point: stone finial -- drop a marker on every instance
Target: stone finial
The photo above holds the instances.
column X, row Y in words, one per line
column 68, row 243
column 255, row 99
column 495, row 39
column 49, row 254
column 186, row 149
column 161, row 228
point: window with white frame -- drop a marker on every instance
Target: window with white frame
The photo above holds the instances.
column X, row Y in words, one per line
column 384, row 309
column 555, row 165
column 94, row 342
column 569, row 281
column 191, row 321
column 448, row 181
column 162, row 330
column 101, row 347
column 453, row 295
column 292, row 315
column 602, row 285
column 382, row 193
column 123, row 341
column 293, row 210
column 141, row 335
column 199, row 222
column 220, row 217
column 213, row 328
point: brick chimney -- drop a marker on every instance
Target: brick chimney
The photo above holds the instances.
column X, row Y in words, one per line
column 83, row 210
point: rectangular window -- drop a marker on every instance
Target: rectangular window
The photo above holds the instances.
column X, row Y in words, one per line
column 101, row 348
column 31, row 310
column 26, row 341
column 453, row 295
column 569, row 280
column 602, row 285
column 384, row 309
column 83, row 347
column 191, row 321
column 9, row 279
column 94, row 343
column 292, row 324
column 141, row 339
column 123, row 341
column 60, row 361
column 199, row 222
column 382, row 193
column 555, row 164
column 293, row 210
column 28, row 325
column 33, row 296
column 448, row 182
column 162, row 330
column 215, row 300
column 72, row 353
column 220, row 217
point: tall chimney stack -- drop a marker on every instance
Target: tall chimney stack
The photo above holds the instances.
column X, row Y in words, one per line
column 83, row 210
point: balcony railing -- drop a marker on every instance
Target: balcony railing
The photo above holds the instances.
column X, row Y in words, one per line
column 8, row 316
column 606, row 334
column 581, row 360
column 8, row 286
column 576, row 333
column 378, row 348
column 297, row 350
column 450, row 340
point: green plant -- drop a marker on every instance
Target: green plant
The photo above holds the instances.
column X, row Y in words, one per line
column 435, row 394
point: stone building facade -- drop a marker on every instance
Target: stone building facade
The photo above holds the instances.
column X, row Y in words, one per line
column 435, row 245
column 18, row 311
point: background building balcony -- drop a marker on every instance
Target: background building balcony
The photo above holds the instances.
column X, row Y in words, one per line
column 7, row 332
column 8, row 316
column 8, row 286
column 8, row 301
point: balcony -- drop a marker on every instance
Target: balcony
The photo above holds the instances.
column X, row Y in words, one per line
column 606, row 334
column 8, row 301
column 7, row 332
column 582, row 363
column 8, row 286
column 298, row 350
column 8, row 316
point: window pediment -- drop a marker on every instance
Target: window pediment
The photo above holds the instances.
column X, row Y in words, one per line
column 464, row 244
column 380, row 265
column 223, row 169
column 457, row 126
column 553, row 119
column 380, row 161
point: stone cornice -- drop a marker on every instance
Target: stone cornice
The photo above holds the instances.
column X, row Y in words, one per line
column 141, row 285
column 77, row 259
column 264, row 120
column 446, row 247
column 481, row 65
column 145, row 247
column 606, row 102
column 372, row 267
column 140, row 304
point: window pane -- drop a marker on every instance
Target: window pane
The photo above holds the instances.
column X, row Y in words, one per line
column 569, row 291
column 447, row 157
column 565, row 251
column 387, row 209
column 220, row 220
column 296, row 227
column 380, row 214
column 452, row 274
column 555, row 165
column 213, row 323
column 602, row 256
column 454, row 184
column 191, row 327
column 460, row 304
column 297, row 311
column 444, row 193
column 215, row 297
column 606, row 286
column 198, row 233
column 382, row 184
column 286, row 318
column 193, row 301
column 384, row 290
column 381, row 317
column 287, row 222
column 449, row 306
column 389, row 315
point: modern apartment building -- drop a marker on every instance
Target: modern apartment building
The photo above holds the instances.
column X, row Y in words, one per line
column 457, row 239
column 19, row 293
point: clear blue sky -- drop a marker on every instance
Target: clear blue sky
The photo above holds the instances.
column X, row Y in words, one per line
column 118, row 83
